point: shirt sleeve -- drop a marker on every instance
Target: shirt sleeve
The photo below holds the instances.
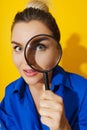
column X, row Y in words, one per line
column 2, row 119
column 6, row 121
column 81, row 124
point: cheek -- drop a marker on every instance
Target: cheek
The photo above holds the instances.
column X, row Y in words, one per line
column 17, row 60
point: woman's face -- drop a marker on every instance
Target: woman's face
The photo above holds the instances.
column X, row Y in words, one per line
column 21, row 33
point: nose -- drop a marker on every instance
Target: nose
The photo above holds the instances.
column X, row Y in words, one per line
column 23, row 58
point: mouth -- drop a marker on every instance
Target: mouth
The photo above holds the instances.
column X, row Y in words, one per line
column 30, row 72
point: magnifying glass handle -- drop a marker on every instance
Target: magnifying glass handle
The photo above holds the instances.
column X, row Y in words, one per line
column 46, row 81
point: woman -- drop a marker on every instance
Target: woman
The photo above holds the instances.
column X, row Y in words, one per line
column 26, row 105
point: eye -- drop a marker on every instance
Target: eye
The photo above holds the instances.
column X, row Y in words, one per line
column 17, row 48
column 40, row 47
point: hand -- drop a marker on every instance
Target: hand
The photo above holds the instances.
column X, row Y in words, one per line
column 52, row 111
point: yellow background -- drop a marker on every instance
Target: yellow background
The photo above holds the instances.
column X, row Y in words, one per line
column 71, row 16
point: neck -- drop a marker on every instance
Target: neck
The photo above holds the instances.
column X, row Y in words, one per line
column 36, row 92
column 37, row 87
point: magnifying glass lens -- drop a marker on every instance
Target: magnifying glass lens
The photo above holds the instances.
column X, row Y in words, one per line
column 42, row 53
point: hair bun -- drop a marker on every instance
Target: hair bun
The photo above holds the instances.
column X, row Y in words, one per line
column 38, row 4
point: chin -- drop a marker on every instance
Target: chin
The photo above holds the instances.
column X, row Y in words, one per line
column 34, row 81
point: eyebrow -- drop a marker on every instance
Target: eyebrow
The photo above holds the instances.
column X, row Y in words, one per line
column 41, row 39
column 13, row 42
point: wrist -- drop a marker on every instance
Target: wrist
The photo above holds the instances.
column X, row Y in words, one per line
column 67, row 126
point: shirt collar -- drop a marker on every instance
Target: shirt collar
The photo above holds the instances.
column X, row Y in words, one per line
column 60, row 77
column 19, row 85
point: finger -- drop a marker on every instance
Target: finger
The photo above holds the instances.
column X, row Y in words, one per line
column 50, row 96
column 51, row 123
column 50, row 113
column 51, row 105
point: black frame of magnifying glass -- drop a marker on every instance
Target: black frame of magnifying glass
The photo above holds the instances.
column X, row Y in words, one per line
column 60, row 52
column 45, row 73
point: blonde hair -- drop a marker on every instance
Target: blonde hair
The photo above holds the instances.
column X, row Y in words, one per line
column 38, row 4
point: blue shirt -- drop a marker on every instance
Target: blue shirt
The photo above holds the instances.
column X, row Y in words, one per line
column 18, row 111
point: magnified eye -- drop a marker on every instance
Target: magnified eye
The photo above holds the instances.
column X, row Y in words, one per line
column 40, row 47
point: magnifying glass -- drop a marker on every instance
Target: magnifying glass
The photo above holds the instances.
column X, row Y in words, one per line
column 43, row 53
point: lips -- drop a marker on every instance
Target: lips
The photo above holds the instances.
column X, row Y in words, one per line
column 30, row 72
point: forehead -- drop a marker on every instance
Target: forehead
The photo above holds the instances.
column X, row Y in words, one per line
column 23, row 31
